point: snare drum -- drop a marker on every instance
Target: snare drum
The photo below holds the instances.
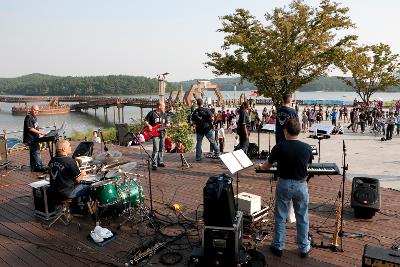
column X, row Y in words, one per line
column 105, row 192
column 130, row 192
column 90, row 179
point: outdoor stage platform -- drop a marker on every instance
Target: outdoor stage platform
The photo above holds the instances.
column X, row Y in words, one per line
column 25, row 241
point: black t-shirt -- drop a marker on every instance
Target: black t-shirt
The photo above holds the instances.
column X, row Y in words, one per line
column 63, row 172
column 30, row 122
column 202, row 117
column 154, row 118
column 282, row 115
column 243, row 119
column 292, row 157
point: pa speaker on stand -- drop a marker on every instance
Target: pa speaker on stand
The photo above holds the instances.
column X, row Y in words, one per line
column 365, row 197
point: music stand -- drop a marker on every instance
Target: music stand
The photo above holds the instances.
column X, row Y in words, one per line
column 269, row 128
column 236, row 161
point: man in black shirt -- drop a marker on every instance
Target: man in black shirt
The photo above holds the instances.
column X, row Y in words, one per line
column 157, row 118
column 31, row 136
column 292, row 157
column 243, row 127
column 65, row 176
column 202, row 118
column 283, row 113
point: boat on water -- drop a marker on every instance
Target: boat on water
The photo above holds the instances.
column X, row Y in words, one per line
column 51, row 109
column 43, row 110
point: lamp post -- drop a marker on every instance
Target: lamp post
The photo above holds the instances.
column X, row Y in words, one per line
column 161, row 86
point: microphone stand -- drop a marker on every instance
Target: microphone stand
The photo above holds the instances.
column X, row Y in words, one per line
column 103, row 142
column 345, row 168
column 149, row 159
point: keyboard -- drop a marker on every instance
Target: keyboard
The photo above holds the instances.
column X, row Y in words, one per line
column 50, row 136
column 312, row 169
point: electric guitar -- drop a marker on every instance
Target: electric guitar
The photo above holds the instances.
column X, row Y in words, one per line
column 155, row 131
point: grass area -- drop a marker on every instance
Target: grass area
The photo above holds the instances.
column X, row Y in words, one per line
column 109, row 134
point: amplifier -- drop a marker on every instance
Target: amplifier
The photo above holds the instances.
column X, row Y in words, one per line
column 380, row 257
column 248, row 203
column 44, row 207
column 222, row 244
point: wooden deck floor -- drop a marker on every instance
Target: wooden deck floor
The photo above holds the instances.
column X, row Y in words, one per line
column 25, row 241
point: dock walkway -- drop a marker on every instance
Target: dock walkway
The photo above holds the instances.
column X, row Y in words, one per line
column 25, row 241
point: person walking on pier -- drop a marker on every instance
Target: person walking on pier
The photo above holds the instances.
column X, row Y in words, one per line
column 157, row 118
column 31, row 136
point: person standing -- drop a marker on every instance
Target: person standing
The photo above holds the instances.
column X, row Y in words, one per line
column 31, row 134
column 202, row 118
column 292, row 157
column 398, row 122
column 391, row 121
column 283, row 114
column 243, row 127
column 157, row 118
column 334, row 115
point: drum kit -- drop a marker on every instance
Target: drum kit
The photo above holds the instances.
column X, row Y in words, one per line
column 114, row 185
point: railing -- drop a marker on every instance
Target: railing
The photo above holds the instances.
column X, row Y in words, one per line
column 21, row 146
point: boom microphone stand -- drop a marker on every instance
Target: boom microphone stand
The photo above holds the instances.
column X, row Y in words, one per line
column 149, row 159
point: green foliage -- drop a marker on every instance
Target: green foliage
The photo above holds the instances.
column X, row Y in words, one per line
column 296, row 46
column 181, row 130
column 109, row 135
column 40, row 84
column 374, row 68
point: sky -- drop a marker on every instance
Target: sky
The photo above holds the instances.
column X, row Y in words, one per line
column 145, row 38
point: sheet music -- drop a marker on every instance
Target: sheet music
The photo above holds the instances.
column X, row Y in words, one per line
column 268, row 127
column 242, row 158
column 39, row 184
column 231, row 162
column 236, row 161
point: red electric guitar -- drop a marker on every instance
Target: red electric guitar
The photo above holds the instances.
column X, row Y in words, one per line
column 155, row 131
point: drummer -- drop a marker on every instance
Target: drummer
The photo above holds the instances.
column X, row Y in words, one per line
column 65, row 176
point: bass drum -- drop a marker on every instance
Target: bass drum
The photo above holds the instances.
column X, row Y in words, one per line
column 105, row 192
column 130, row 193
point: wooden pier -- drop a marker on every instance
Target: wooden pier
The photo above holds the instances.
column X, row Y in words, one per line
column 25, row 241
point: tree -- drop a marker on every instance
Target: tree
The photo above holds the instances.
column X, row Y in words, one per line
column 296, row 46
column 373, row 69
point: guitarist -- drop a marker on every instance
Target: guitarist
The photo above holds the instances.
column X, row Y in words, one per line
column 158, row 118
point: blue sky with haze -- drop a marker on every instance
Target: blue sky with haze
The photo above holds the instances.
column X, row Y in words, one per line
column 99, row 37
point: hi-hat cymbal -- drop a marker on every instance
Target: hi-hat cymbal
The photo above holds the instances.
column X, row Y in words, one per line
column 109, row 156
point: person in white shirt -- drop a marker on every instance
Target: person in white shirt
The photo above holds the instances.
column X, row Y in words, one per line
column 96, row 139
column 221, row 139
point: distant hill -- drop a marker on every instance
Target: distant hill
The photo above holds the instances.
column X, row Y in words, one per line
column 42, row 84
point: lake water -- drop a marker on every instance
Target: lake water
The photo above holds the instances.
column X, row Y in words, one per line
column 77, row 121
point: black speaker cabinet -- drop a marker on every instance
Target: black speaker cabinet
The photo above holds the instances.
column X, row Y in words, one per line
column 222, row 245
column 219, row 203
column 44, row 205
column 123, row 135
column 365, row 197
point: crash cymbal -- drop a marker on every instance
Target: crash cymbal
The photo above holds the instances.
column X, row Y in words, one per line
column 109, row 156
column 127, row 167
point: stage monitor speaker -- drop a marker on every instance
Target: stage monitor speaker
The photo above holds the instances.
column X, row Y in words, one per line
column 365, row 197
column 219, row 203
column 123, row 135
column 83, row 149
